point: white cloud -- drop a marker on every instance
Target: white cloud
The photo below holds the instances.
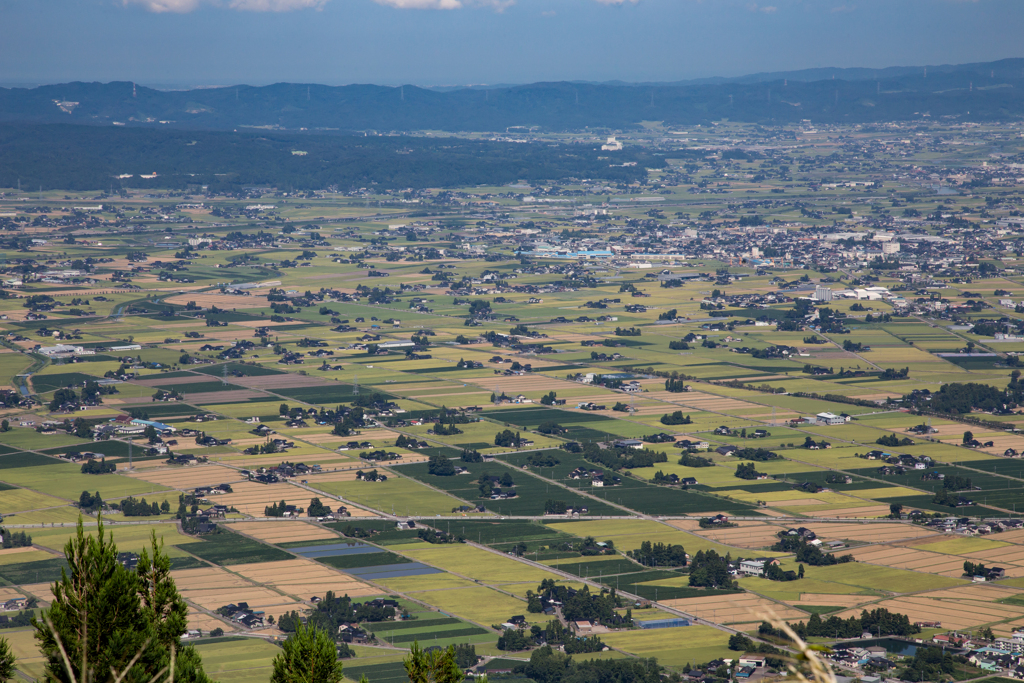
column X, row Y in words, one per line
column 165, row 5
column 421, row 4
column 275, row 5
column 182, row 6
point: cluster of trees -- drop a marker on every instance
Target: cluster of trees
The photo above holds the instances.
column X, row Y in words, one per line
column 759, row 454
column 708, row 569
column 747, row 470
column 548, row 665
column 553, row 633
column 676, row 418
column 807, row 553
column 691, row 460
column 677, row 345
column 333, row 611
column 317, row 508
column 959, row 398
column 507, row 439
column 90, row 502
column 446, row 430
column 550, row 427
column 893, row 441
column 470, row 455
column 659, row 555
column 555, row 507
column 486, row 483
column 974, row 568
column 542, row 459
column 740, row 642
column 135, row 507
column 277, row 510
column 880, row 622
column 892, row 373
column 950, row 499
column 954, row 482
column 548, row 398
column 15, row 539
column 440, row 466
column 439, row 537
column 627, row 332
column 98, row 467
column 618, row 458
column 675, row 386
column 931, row 664
column 582, row 605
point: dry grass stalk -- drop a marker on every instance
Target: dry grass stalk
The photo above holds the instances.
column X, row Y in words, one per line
column 807, row 666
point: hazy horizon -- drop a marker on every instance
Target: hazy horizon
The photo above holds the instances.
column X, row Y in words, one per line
column 174, row 44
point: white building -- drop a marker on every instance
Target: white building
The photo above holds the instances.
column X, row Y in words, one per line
column 65, row 350
column 830, row 419
column 612, row 145
column 822, row 293
column 892, row 247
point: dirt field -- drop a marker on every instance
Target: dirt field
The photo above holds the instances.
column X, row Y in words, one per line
column 283, row 532
column 185, row 478
column 900, row 557
column 951, row 613
column 701, row 401
column 211, row 588
column 204, row 622
column 226, row 301
column 740, row 608
column 304, row 578
column 41, row 591
column 868, row 512
column 251, row 498
column 869, row 533
column 752, row 535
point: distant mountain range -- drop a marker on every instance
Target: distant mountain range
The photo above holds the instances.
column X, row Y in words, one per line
column 983, row 91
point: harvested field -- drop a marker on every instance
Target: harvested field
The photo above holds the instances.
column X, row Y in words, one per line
column 203, row 621
column 867, row 512
column 900, row 557
column 305, row 578
column 227, row 301
column 736, row 609
column 182, row 478
column 282, row 532
column 251, row 498
column 869, row 533
column 701, row 401
column 6, row 553
column 41, row 591
column 752, row 535
column 951, row 613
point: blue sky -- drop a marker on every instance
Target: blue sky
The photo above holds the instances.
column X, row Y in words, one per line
column 442, row 42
